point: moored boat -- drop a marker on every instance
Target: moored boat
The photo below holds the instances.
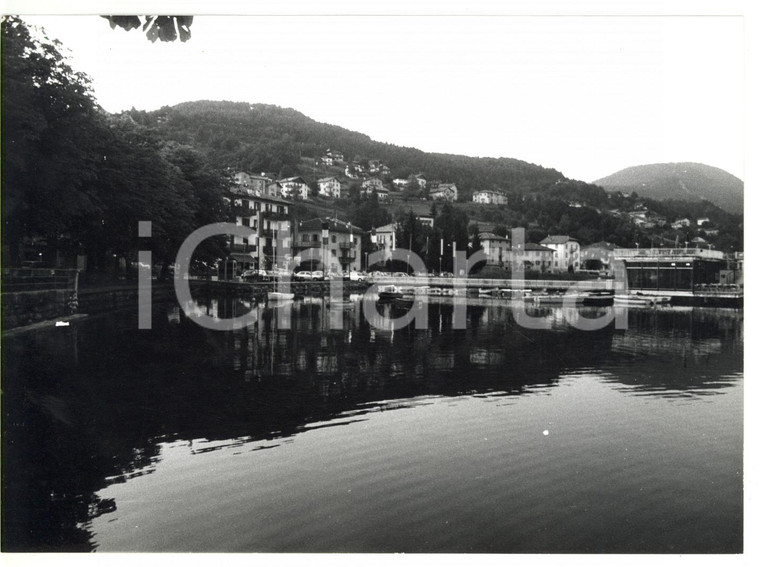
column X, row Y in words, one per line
column 641, row 299
column 279, row 296
column 387, row 292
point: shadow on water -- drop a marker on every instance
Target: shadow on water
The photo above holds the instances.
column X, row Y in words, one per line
column 90, row 404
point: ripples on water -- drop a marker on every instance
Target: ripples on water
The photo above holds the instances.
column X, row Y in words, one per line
column 492, row 438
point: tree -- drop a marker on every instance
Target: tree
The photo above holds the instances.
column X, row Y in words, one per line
column 52, row 141
column 163, row 28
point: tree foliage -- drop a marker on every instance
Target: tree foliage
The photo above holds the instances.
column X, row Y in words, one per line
column 163, row 28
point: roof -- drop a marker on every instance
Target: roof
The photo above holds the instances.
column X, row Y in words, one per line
column 291, row 180
column 496, row 191
column 386, row 228
column 334, row 225
column 326, row 179
column 241, row 257
column 531, row 246
column 558, row 239
column 443, row 186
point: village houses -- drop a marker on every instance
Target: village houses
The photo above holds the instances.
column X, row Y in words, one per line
column 294, row 188
column 334, row 244
column 329, row 187
column 444, row 192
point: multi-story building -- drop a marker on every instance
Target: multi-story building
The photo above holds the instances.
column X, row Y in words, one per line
column 384, row 239
column 329, row 187
column 444, row 192
column 534, row 257
column 270, row 241
column 257, row 183
column 489, row 197
column 567, row 258
column 294, row 188
column 495, row 247
column 426, row 221
column 337, row 245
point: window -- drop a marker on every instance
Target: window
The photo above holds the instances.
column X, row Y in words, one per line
column 334, row 253
column 334, row 239
column 304, row 238
column 314, row 237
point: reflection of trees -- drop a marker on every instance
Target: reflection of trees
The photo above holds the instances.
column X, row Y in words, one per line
column 72, row 423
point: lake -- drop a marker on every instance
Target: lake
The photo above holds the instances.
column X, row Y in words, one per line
column 297, row 437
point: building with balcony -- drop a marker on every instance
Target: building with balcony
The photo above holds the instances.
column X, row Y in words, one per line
column 269, row 244
column 335, row 245
column 256, row 184
column 294, row 188
column 329, row 187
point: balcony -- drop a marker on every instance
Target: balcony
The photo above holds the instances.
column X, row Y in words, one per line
column 275, row 216
column 346, row 245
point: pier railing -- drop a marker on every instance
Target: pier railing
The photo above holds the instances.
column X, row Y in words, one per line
column 626, row 253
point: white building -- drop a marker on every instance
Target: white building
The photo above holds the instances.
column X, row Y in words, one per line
column 567, row 257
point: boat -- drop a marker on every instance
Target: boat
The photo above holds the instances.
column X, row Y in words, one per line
column 488, row 292
column 279, row 296
column 341, row 303
column 641, row 299
column 599, row 298
column 403, row 301
column 559, row 298
column 386, row 292
column 434, row 291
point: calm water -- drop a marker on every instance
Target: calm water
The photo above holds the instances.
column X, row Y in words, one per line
column 492, row 438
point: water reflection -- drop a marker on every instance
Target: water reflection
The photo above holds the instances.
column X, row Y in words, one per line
column 93, row 404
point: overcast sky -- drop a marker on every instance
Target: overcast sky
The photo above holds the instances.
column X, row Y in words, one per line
column 585, row 95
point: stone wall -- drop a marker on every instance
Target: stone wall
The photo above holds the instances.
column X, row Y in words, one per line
column 27, row 307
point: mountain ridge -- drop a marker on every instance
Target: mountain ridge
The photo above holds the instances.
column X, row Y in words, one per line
column 689, row 181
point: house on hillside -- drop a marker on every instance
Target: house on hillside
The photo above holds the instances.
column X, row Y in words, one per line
column 567, row 258
column 681, row 223
column 329, row 243
column 326, row 160
column 702, row 220
column 426, row 220
column 371, row 185
column 294, row 188
column 444, row 192
column 489, row 197
column 255, row 183
column 329, row 187
column 335, row 155
column 383, row 195
column 400, row 183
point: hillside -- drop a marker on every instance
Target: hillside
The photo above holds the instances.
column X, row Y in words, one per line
column 683, row 181
column 260, row 137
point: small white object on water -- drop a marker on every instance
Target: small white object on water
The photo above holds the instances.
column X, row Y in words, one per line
column 546, row 432
column 61, row 323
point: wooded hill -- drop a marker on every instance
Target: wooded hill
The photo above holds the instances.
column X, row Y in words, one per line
column 265, row 138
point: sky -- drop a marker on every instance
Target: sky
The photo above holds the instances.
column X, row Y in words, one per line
column 587, row 92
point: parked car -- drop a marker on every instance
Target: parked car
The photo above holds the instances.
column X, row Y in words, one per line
column 256, row 275
column 357, row 276
column 304, row 275
column 318, row 275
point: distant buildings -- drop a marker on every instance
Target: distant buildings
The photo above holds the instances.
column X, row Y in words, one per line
column 489, row 197
column 495, row 247
column 294, row 188
column 444, row 192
